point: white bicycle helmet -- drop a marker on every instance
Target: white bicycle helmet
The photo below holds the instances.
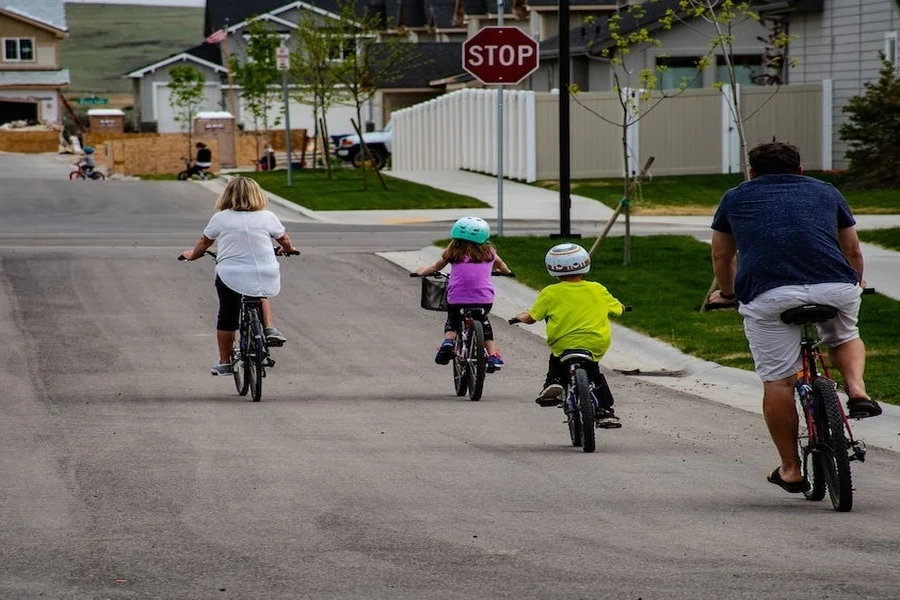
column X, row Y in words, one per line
column 471, row 229
column 567, row 259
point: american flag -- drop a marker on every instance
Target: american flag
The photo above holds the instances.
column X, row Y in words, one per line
column 216, row 36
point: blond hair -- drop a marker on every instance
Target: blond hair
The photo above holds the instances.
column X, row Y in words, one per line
column 242, row 193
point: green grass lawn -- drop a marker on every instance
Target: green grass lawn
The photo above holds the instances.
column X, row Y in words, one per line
column 106, row 41
column 700, row 194
column 888, row 238
column 313, row 189
column 666, row 284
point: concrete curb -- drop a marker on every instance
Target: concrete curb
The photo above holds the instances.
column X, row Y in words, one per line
column 670, row 368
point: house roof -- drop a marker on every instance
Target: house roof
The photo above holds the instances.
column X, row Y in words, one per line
column 47, row 12
column 33, row 78
column 207, row 55
column 594, row 38
column 433, row 60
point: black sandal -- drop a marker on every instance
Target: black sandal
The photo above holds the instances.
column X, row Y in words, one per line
column 860, row 408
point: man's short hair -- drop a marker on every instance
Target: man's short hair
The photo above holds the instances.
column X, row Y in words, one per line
column 775, row 158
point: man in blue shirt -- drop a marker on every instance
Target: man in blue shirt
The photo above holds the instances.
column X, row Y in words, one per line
column 797, row 242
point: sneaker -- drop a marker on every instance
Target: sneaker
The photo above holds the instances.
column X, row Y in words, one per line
column 607, row 419
column 495, row 360
column 860, row 408
column 220, row 369
column 550, row 395
column 444, row 353
column 274, row 337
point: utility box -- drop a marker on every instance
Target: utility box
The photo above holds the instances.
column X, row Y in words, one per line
column 217, row 125
column 106, row 120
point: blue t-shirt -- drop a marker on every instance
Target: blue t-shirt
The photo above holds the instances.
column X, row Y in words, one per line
column 785, row 228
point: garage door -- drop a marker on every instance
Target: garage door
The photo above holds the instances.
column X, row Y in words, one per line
column 165, row 114
column 12, row 110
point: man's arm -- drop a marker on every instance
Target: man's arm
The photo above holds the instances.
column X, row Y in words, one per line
column 724, row 252
column 849, row 241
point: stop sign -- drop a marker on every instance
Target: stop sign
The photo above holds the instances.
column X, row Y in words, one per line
column 504, row 55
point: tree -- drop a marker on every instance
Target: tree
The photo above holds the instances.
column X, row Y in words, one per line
column 873, row 131
column 187, row 87
column 360, row 66
column 258, row 76
column 312, row 71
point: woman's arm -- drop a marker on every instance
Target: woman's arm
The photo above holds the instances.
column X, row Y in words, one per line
column 286, row 244
column 197, row 251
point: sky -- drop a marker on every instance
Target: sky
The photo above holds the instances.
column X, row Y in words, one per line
column 186, row 3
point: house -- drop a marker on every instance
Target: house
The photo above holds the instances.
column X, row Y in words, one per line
column 832, row 40
column 31, row 79
column 433, row 26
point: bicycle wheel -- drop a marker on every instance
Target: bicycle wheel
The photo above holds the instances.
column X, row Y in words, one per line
column 476, row 360
column 573, row 417
column 585, row 410
column 76, row 174
column 98, row 176
column 241, row 381
column 810, row 461
column 256, row 360
column 833, row 445
column 460, row 370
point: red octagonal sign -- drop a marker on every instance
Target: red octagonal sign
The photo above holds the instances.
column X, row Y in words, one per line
column 504, row 55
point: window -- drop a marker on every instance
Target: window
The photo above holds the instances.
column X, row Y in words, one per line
column 746, row 69
column 18, row 49
column 677, row 72
column 892, row 48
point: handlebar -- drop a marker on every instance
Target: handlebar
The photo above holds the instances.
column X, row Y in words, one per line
column 515, row 320
column 868, row 291
column 440, row 274
column 278, row 250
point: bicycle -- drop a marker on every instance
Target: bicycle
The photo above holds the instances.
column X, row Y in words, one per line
column 82, row 173
column 470, row 361
column 825, row 440
column 250, row 354
column 203, row 175
column 585, row 402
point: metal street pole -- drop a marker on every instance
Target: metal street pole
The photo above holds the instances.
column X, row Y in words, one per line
column 500, row 10
column 287, row 128
column 565, row 185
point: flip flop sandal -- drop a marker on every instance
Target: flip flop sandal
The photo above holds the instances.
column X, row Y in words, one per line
column 791, row 487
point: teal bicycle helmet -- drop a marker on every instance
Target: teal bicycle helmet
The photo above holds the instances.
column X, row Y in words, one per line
column 471, row 229
column 88, row 150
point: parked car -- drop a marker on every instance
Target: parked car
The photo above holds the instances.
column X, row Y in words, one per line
column 378, row 142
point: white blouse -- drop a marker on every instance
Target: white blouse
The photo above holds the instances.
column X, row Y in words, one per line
column 246, row 262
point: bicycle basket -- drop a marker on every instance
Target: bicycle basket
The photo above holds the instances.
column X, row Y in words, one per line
column 434, row 293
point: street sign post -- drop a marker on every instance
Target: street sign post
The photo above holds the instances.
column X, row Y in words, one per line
column 283, row 64
column 503, row 56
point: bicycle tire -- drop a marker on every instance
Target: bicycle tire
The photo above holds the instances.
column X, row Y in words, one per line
column 76, row 175
column 256, row 360
column 585, row 404
column 477, row 361
column 810, row 460
column 833, row 445
column 573, row 417
column 98, row 176
column 183, row 176
column 460, row 370
column 241, row 383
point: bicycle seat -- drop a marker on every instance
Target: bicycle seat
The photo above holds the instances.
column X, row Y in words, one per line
column 576, row 354
column 809, row 313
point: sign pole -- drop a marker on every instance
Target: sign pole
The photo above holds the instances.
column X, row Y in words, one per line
column 500, row 10
column 283, row 64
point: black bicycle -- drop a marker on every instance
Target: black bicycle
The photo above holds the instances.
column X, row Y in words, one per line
column 585, row 402
column 470, row 360
column 250, row 354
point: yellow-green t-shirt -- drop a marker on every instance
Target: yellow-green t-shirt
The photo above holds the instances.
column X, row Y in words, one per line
column 577, row 316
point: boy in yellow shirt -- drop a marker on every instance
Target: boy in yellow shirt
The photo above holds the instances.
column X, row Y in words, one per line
column 577, row 316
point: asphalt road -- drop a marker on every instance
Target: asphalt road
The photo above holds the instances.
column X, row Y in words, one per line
column 129, row 472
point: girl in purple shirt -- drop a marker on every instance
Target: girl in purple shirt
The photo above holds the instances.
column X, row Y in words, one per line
column 472, row 259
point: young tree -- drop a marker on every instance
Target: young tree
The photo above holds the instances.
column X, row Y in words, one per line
column 312, row 70
column 360, row 65
column 187, row 93
column 873, row 131
column 258, row 76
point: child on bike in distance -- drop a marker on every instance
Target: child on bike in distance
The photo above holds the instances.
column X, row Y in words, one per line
column 472, row 259
column 577, row 316
column 245, row 262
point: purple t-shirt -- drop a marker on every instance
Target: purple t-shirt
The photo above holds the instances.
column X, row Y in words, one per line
column 470, row 282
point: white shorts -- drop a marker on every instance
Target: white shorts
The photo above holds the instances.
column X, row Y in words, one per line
column 775, row 345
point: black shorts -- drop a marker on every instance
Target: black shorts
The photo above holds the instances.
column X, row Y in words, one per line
column 454, row 318
column 229, row 307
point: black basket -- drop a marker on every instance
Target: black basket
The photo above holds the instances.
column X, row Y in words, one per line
column 434, row 293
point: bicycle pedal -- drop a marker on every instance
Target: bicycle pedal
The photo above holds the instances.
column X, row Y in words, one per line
column 270, row 363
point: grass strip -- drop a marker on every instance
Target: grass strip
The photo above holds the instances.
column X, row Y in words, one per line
column 344, row 191
column 700, row 194
column 886, row 238
column 667, row 281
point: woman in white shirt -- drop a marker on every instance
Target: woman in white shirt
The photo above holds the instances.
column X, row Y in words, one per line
column 245, row 263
